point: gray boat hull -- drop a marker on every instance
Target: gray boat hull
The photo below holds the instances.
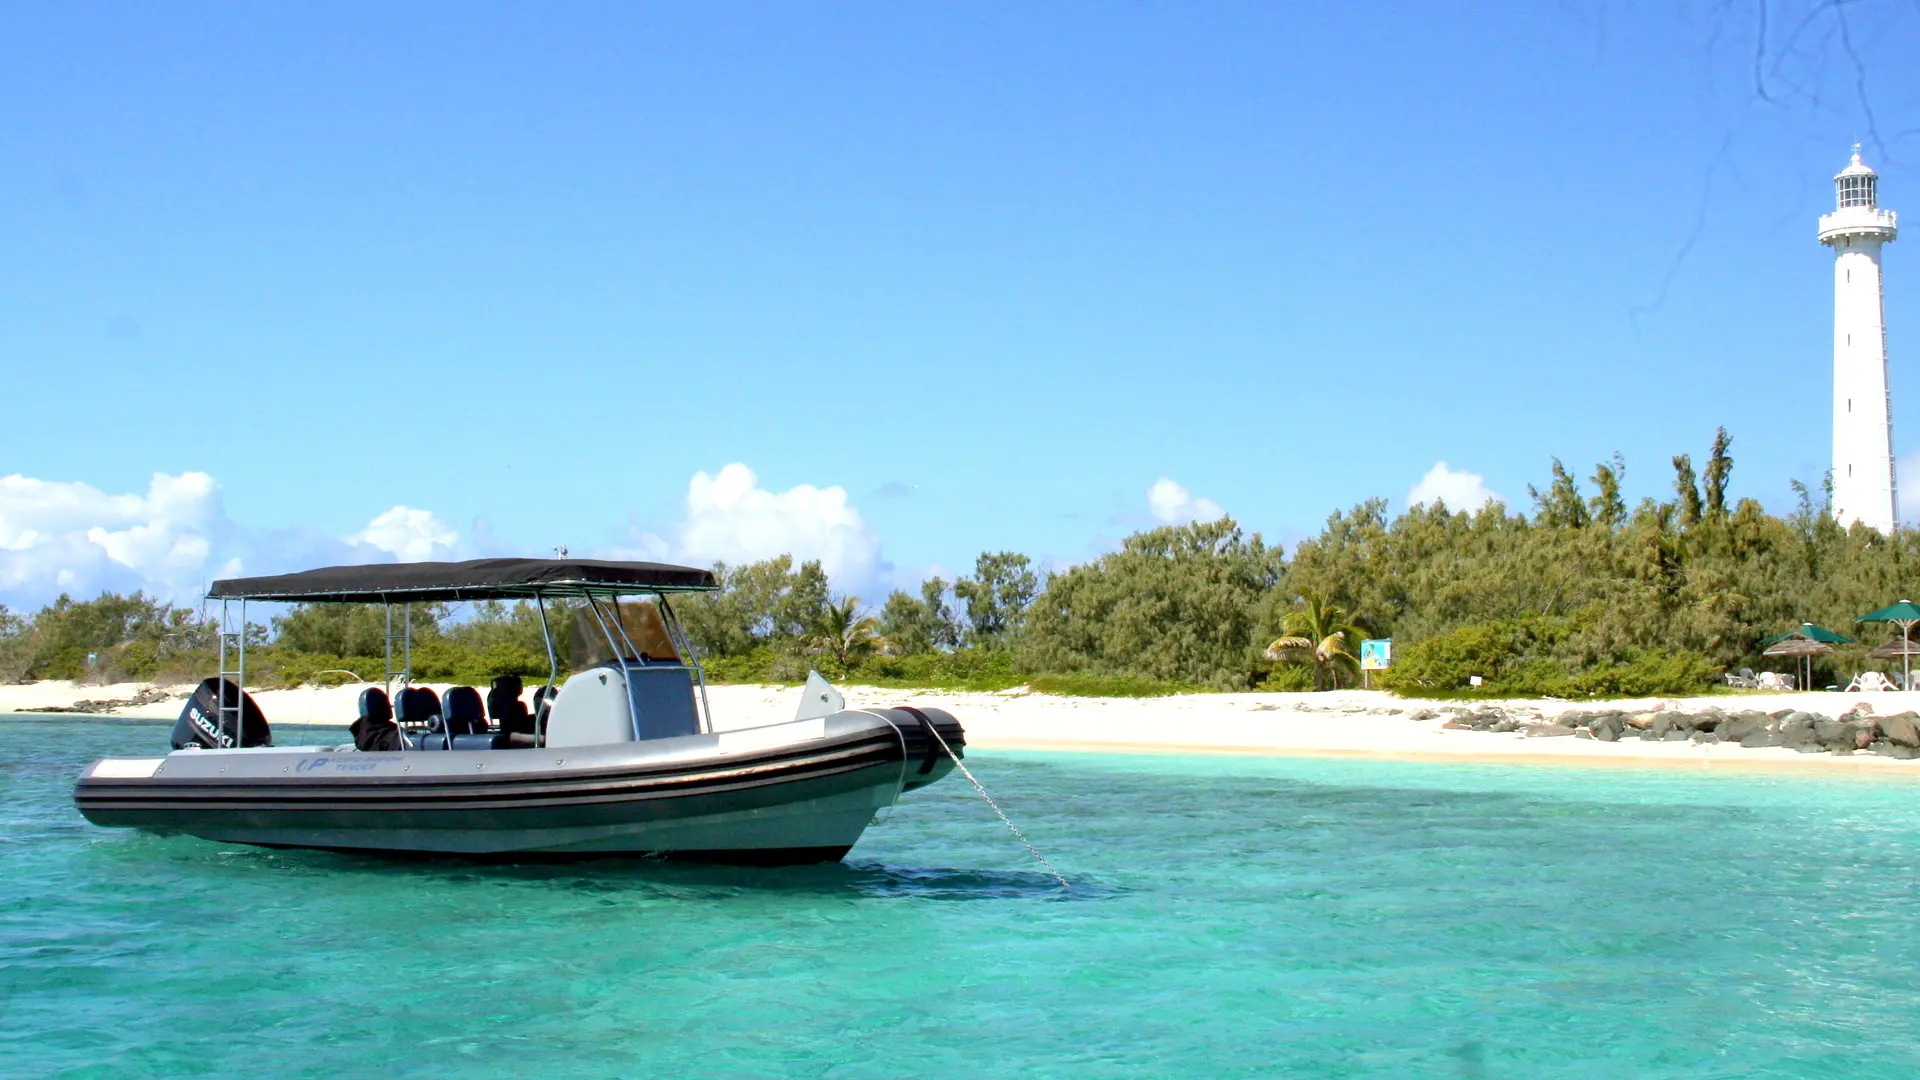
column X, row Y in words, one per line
column 799, row 792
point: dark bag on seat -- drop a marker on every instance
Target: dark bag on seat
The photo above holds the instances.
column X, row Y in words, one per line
column 506, row 708
column 375, row 730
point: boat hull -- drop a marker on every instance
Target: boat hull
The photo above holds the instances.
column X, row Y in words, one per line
column 800, row 792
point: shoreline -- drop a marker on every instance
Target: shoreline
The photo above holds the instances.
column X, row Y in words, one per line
column 1352, row 724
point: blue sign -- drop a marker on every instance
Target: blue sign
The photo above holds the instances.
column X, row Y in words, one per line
column 1376, row 654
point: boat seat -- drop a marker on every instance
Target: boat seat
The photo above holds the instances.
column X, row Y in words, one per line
column 417, row 705
column 462, row 712
column 433, row 740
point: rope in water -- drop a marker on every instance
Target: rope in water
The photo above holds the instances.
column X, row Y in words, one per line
column 977, row 786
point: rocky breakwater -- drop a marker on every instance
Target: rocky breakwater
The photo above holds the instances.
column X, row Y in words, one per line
column 1855, row 731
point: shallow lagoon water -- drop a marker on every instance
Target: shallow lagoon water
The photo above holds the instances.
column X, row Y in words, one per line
column 1231, row 916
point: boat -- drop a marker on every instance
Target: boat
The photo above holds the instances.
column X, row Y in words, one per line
column 620, row 757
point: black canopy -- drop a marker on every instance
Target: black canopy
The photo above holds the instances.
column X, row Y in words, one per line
column 477, row 579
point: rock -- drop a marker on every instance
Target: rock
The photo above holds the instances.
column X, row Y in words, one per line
column 1701, row 735
column 1833, row 734
column 1422, row 714
column 1781, row 714
column 1642, row 721
column 1677, row 735
column 1709, row 720
column 1737, row 728
column 1606, row 732
column 1796, row 733
column 1762, row 737
column 1895, row 750
column 1900, row 729
column 1583, row 733
column 1505, row 725
column 1458, row 724
column 1547, row 731
column 1674, row 719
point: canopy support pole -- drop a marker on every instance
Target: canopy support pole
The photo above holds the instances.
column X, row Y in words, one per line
column 553, row 674
column 1906, row 662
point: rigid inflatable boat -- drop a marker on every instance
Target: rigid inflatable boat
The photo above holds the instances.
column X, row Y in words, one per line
column 620, row 757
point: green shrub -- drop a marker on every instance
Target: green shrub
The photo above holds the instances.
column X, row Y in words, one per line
column 1517, row 658
column 1289, row 678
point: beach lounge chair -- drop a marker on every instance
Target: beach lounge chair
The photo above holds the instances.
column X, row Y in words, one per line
column 1870, row 682
column 1773, row 680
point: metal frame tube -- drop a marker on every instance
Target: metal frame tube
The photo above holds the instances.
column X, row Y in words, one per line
column 690, row 656
column 387, row 675
column 553, row 673
column 626, row 673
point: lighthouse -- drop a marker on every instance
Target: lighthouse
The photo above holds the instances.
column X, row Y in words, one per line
column 1863, row 480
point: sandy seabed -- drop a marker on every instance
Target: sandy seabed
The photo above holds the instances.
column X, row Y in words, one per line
column 1344, row 723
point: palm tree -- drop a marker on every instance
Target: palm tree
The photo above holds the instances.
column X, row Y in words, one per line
column 845, row 633
column 1322, row 632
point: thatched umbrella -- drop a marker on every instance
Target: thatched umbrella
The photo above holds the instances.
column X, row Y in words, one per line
column 1802, row 649
column 1896, row 647
column 1903, row 615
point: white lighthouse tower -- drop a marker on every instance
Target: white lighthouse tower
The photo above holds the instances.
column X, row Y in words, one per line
column 1863, row 480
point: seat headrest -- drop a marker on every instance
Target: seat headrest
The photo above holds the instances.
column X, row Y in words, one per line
column 462, row 703
column 504, row 701
column 374, row 705
column 417, row 704
column 509, row 684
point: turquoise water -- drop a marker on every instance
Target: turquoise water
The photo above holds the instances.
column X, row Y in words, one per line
column 1231, row 917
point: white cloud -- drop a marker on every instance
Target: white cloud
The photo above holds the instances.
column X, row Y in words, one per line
column 171, row 541
column 731, row 517
column 1459, row 489
column 62, row 536
column 408, row 535
column 1175, row 505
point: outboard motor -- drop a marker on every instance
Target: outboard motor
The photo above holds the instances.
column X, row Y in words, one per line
column 200, row 723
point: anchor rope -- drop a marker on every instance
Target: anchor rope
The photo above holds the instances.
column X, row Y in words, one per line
column 981, row 788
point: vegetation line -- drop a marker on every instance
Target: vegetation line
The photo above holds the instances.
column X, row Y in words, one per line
column 1581, row 597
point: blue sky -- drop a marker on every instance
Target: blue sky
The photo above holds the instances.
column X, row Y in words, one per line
column 505, row 277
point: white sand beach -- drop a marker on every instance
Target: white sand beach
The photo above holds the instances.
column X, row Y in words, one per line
column 1349, row 723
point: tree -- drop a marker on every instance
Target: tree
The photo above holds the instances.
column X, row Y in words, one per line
column 1719, row 470
column 1322, row 632
column 16, row 652
column 806, row 607
column 1689, row 492
column 1179, row 603
column 845, row 633
column 1606, row 507
column 920, row 624
column 998, row 594
column 354, row 629
column 1561, row 505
